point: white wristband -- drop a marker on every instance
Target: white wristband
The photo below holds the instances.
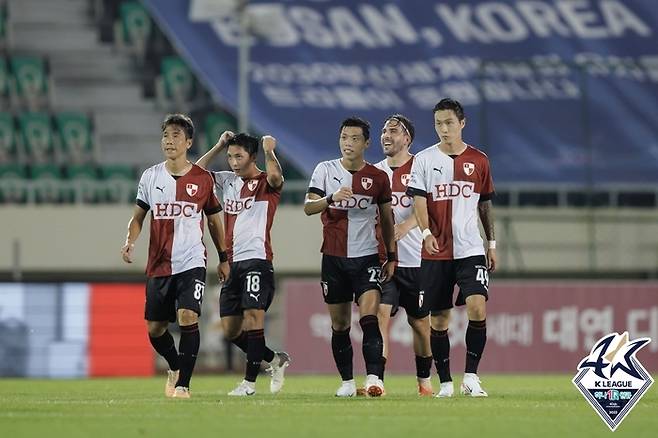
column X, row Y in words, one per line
column 492, row 244
column 426, row 232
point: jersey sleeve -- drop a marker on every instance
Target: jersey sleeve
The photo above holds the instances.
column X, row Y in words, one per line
column 212, row 203
column 385, row 194
column 417, row 185
column 487, row 191
column 143, row 198
column 317, row 183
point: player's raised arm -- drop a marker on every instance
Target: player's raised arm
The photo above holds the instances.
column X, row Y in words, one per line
column 205, row 160
column 272, row 165
column 216, row 230
column 134, row 229
column 485, row 211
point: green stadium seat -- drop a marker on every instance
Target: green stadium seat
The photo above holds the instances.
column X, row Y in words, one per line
column 215, row 124
column 4, row 82
column 119, row 183
column 84, row 184
column 13, row 183
column 133, row 29
column 8, row 146
column 75, row 134
column 30, row 77
column 36, row 134
column 3, row 25
column 176, row 85
column 47, row 183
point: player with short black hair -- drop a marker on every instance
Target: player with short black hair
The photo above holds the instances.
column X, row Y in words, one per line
column 451, row 184
column 178, row 194
column 351, row 194
column 250, row 198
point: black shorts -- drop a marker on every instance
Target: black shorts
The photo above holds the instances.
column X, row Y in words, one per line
column 439, row 277
column 346, row 279
column 250, row 285
column 404, row 291
column 179, row 291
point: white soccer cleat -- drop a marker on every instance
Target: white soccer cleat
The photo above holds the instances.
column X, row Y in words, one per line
column 277, row 370
column 446, row 390
column 170, row 386
column 374, row 386
column 244, row 389
column 471, row 386
column 347, row 389
column 181, row 392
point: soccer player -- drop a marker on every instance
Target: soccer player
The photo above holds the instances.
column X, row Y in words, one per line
column 250, row 198
column 178, row 194
column 451, row 184
column 350, row 193
column 403, row 290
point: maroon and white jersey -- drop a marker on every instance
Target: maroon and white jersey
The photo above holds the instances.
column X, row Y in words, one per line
column 249, row 207
column 177, row 206
column 410, row 246
column 349, row 226
column 453, row 188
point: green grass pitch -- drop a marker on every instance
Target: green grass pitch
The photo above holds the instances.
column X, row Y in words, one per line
column 518, row 406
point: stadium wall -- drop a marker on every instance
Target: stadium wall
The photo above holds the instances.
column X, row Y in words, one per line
column 79, row 239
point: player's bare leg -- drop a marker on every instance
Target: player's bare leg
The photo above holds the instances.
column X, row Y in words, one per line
column 421, row 341
column 372, row 342
column 440, row 343
column 476, row 338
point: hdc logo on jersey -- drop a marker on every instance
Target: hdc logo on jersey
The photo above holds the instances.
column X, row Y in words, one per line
column 173, row 210
column 251, row 185
column 191, row 189
column 469, row 168
column 401, row 199
column 453, row 190
column 405, row 179
column 366, row 182
column 360, row 202
column 612, row 379
column 235, row 206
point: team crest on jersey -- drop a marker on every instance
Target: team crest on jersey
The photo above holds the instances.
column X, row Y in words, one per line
column 469, row 168
column 405, row 178
column 366, row 182
column 251, row 185
column 612, row 379
column 191, row 189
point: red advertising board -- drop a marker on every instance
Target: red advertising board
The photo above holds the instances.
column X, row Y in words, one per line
column 532, row 326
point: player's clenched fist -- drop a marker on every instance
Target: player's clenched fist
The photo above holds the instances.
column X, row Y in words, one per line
column 127, row 252
column 431, row 245
column 269, row 143
column 342, row 194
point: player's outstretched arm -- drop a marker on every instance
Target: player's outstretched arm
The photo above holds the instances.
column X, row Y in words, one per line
column 272, row 165
column 205, row 160
column 422, row 218
column 134, row 229
column 388, row 234
column 485, row 210
column 315, row 204
column 216, row 229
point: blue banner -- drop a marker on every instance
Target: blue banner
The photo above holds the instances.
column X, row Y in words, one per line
column 562, row 91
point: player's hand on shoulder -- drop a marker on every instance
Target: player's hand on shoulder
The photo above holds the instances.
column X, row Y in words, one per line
column 223, row 270
column 342, row 194
column 223, row 139
column 269, row 143
column 127, row 252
